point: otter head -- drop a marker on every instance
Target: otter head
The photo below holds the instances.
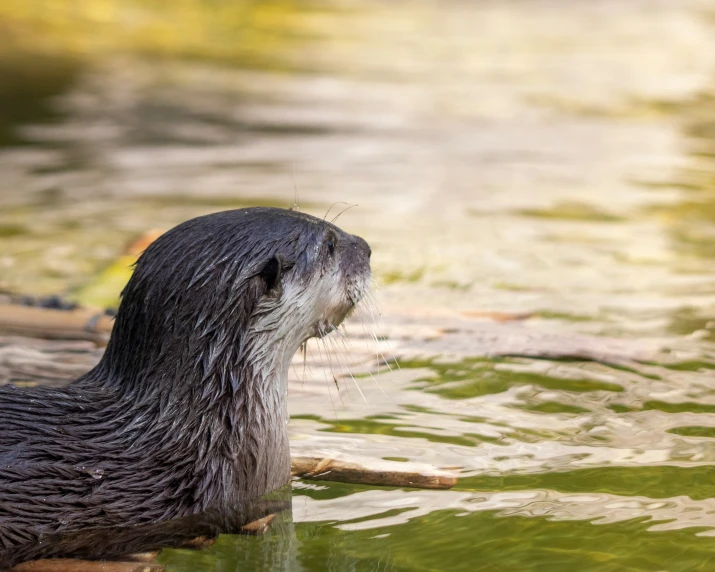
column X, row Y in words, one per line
column 230, row 292
column 315, row 277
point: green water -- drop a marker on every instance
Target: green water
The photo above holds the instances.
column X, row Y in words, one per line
column 549, row 161
column 450, row 540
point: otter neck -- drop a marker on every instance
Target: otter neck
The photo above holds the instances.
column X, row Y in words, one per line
column 224, row 407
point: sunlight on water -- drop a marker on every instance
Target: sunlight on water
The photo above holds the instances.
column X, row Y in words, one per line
column 529, row 175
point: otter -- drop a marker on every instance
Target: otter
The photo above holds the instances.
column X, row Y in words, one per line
column 187, row 409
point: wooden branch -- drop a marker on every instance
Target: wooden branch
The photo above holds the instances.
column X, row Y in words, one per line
column 258, row 527
column 198, row 543
column 142, row 556
column 376, row 473
column 85, row 324
column 72, row 565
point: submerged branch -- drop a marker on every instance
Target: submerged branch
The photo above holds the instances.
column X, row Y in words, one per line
column 82, row 324
column 375, row 472
column 72, row 565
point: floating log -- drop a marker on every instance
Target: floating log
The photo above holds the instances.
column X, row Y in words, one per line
column 142, row 556
column 376, row 473
column 72, row 565
column 81, row 324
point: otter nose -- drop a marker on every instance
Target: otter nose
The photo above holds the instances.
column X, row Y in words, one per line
column 363, row 246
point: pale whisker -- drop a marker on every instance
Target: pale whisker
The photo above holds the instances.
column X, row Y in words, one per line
column 346, row 342
column 347, row 369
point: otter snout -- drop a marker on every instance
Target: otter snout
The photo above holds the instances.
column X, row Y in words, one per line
column 357, row 267
column 362, row 245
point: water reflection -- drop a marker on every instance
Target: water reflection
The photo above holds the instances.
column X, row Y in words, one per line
column 524, row 543
column 522, row 161
column 428, row 530
column 117, row 542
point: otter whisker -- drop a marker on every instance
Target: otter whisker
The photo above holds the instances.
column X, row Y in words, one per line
column 378, row 355
column 381, row 355
column 295, row 372
column 346, row 345
column 323, row 338
column 345, row 367
column 371, row 294
column 332, row 373
column 331, row 207
column 346, row 342
column 370, row 298
column 376, row 282
column 341, row 212
column 327, row 381
column 296, row 198
column 304, row 350
column 363, row 316
column 342, row 352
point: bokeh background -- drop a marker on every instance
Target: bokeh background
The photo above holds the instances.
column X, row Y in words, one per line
column 537, row 181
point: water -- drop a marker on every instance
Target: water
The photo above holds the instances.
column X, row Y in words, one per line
column 550, row 164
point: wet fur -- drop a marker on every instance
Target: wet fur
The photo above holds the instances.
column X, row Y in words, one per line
column 187, row 409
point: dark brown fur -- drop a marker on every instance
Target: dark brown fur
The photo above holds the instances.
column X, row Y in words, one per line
column 186, row 411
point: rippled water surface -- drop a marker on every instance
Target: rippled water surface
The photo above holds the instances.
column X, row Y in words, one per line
column 537, row 183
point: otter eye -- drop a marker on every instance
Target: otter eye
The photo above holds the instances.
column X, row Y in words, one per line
column 331, row 246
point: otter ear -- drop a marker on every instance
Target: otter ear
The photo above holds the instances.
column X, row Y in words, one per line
column 271, row 275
